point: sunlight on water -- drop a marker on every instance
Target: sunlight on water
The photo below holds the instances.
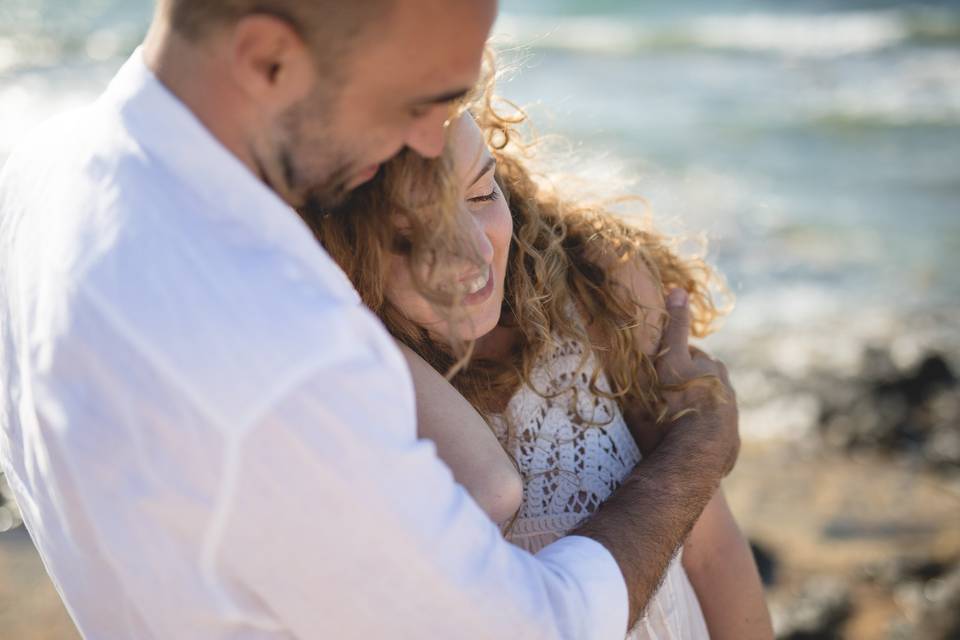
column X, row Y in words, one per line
column 815, row 144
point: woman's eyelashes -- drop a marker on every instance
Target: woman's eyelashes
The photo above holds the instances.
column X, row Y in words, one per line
column 489, row 197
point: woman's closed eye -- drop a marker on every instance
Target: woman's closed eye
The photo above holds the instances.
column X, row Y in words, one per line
column 484, row 177
column 489, row 197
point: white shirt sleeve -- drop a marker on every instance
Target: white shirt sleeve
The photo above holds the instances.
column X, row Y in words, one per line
column 338, row 526
column 209, row 437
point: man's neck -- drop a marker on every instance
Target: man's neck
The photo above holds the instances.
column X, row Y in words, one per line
column 193, row 74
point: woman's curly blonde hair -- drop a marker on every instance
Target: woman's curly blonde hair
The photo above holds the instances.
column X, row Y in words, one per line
column 564, row 254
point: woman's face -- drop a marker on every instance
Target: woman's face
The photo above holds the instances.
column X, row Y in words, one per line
column 491, row 227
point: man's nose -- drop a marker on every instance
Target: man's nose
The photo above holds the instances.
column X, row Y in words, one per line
column 428, row 134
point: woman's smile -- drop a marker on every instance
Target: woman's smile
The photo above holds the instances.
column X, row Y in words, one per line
column 479, row 288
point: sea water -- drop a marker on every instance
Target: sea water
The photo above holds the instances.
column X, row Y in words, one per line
column 815, row 143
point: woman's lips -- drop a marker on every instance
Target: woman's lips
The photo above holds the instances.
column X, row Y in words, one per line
column 474, row 288
column 475, row 282
column 477, row 295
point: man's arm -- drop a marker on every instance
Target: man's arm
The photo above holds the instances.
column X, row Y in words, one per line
column 647, row 519
column 338, row 522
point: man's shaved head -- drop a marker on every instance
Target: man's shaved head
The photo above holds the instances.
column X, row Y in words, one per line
column 326, row 26
column 314, row 95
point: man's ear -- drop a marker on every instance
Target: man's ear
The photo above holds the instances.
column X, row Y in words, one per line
column 270, row 62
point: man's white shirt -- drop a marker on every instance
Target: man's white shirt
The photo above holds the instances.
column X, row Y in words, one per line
column 207, row 433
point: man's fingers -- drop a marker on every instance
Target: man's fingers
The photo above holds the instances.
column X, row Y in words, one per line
column 706, row 364
column 673, row 344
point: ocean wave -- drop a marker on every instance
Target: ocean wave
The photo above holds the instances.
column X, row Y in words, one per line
column 29, row 51
column 824, row 35
column 917, row 88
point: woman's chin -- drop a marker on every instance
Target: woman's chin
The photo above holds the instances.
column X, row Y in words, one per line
column 475, row 331
column 465, row 330
column 477, row 321
column 476, row 327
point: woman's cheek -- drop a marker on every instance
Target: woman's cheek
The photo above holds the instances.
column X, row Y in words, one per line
column 402, row 293
column 503, row 231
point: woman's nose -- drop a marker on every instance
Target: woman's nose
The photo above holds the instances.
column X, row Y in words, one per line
column 481, row 240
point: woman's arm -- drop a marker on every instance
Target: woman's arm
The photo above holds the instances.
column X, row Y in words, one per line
column 639, row 284
column 721, row 569
column 464, row 441
column 716, row 556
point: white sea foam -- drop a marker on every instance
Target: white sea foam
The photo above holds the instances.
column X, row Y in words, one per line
column 105, row 44
column 792, row 35
column 588, row 33
column 9, row 56
column 917, row 87
column 817, row 36
column 33, row 50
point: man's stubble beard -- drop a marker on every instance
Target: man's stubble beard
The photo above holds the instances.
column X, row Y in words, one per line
column 316, row 150
column 328, row 194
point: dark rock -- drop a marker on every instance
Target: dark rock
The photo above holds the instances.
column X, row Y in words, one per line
column 767, row 563
column 848, row 528
column 942, row 447
column 906, row 568
column 867, row 421
column 934, row 371
column 941, row 612
column 817, row 613
column 932, row 375
column 914, row 413
column 876, row 363
column 927, row 591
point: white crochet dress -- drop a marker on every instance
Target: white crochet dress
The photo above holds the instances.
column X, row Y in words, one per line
column 570, row 467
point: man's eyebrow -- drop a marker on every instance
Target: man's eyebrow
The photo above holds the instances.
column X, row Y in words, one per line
column 489, row 164
column 443, row 98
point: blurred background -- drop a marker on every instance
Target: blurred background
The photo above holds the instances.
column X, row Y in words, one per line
column 816, row 145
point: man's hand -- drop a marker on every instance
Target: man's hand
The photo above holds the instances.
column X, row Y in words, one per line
column 645, row 520
column 700, row 398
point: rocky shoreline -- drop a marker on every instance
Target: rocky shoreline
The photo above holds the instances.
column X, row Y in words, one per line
column 849, row 487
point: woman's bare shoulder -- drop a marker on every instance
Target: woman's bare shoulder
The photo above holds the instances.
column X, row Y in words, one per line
column 464, row 441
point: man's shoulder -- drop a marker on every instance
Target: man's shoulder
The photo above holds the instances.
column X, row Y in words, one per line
column 65, row 173
column 63, row 203
column 107, row 243
column 66, row 143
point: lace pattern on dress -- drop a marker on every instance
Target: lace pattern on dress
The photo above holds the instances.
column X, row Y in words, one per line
column 574, row 449
column 572, row 446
